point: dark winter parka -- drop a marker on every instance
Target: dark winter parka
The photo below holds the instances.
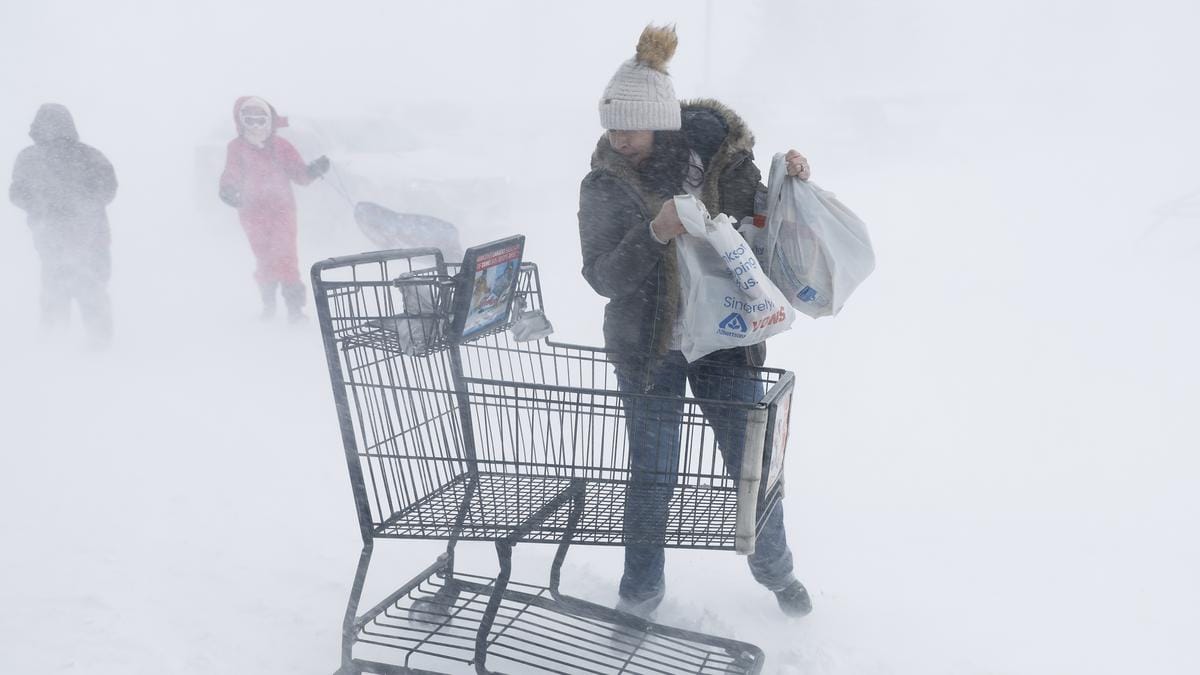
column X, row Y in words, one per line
column 623, row 262
column 63, row 185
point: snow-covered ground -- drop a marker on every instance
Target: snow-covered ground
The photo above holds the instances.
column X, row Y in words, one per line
column 993, row 470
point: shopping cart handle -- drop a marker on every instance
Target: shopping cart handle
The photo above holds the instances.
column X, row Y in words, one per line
column 378, row 256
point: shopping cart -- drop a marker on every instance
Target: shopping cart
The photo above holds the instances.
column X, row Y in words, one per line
column 491, row 439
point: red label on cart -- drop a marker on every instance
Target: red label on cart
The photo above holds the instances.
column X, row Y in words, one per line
column 499, row 257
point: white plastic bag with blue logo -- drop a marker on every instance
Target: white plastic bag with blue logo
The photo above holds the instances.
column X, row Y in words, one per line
column 726, row 298
column 813, row 247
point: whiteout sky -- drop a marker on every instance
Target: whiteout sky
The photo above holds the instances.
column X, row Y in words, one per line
column 994, row 467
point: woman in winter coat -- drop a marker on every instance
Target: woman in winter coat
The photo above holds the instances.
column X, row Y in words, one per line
column 64, row 186
column 655, row 148
column 259, row 170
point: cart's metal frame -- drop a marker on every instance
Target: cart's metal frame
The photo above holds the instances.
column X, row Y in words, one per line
column 415, row 297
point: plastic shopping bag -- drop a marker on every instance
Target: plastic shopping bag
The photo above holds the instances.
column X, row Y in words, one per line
column 529, row 324
column 726, row 300
column 418, row 327
column 813, row 247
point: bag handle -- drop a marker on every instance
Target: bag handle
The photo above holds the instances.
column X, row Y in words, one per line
column 777, row 177
column 692, row 213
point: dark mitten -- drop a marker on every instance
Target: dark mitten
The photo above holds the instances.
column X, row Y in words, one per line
column 318, row 167
column 230, row 196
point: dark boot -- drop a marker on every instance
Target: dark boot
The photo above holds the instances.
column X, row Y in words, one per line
column 268, row 299
column 793, row 599
column 627, row 636
column 642, row 610
column 293, row 297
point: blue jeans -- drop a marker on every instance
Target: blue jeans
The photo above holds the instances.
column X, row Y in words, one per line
column 653, row 425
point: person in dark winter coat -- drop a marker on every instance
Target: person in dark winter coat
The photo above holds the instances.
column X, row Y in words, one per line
column 64, row 186
column 655, row 148
column 260, row 168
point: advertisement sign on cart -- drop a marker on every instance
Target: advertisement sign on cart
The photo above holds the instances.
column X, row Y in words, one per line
column 486, row 286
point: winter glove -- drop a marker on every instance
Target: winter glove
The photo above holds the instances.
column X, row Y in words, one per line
column 318, row 167
column 230, row 196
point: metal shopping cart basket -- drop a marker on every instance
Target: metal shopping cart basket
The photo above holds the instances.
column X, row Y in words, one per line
column 478, row 437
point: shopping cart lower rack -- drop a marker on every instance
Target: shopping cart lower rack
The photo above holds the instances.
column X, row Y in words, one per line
column 490, row 439
column 434, row 622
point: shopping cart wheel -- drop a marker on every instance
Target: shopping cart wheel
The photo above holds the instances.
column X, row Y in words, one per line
column 436, row 608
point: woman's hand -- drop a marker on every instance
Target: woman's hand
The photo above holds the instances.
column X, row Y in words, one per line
column 797, row 165
column 667, row 225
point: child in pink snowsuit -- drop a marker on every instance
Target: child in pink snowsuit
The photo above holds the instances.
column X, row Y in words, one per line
column 259, row 170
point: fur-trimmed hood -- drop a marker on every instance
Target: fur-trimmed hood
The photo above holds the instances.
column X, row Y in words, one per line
column 736, row 146
column 704, row 120
column 738, row 135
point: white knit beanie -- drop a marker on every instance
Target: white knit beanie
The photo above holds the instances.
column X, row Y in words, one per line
column 640, row 96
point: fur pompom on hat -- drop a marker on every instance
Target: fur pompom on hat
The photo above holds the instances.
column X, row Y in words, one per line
column 640, row 96
column 656, row 47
